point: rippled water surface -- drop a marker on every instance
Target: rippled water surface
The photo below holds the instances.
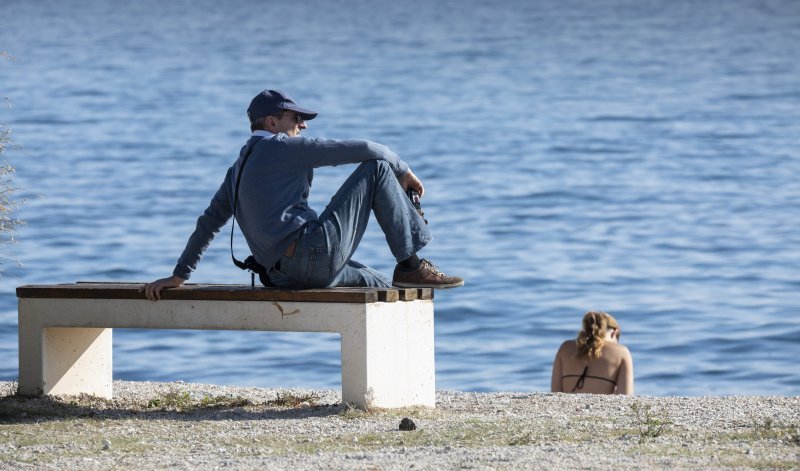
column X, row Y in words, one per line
column 638, row 157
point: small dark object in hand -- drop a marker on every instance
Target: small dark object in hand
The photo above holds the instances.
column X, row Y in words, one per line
column 414, row 197
column 407, row 424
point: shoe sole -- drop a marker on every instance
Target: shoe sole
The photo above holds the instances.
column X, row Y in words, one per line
column 417, row 285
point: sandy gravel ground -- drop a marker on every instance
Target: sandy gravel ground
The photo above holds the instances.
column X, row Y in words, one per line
column 195, row 426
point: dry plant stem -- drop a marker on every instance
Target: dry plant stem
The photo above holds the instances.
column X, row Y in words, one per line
column 8, row 204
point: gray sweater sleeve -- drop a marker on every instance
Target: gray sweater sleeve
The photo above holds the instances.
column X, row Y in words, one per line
column 317, row 152
column 208, row 225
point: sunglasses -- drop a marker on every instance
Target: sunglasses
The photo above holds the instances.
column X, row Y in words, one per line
column 296, row 118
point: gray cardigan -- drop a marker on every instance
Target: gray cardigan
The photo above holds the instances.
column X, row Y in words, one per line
column 273, row 195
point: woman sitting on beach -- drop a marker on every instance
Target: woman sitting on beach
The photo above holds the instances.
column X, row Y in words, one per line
column 595, row 362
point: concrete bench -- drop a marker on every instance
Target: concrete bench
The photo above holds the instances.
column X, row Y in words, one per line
column 386, row 334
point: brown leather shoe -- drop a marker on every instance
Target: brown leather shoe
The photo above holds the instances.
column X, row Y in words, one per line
column 426, row 276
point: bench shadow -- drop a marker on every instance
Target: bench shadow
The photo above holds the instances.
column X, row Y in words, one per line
column 17, row 409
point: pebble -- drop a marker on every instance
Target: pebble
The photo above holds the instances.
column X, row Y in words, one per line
column 407, row 424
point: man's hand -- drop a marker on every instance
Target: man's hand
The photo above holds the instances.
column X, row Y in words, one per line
column 153, row 290
column 409, row 180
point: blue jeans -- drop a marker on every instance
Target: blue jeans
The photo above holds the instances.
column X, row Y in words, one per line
column 322, row 256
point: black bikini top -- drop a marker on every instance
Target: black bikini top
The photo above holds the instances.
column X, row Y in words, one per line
column 582, row 378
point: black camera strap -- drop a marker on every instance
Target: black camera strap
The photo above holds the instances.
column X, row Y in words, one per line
column 250, row 262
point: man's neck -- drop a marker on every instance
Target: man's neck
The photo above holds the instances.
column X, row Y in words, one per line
column 262, row 133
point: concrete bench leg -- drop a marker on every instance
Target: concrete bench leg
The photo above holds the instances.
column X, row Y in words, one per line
column 65, row 361
column 388, row 360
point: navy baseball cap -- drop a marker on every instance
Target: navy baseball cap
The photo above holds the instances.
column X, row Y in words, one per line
column 271, row 102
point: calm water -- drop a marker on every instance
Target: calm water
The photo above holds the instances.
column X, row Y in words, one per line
column 639, row 157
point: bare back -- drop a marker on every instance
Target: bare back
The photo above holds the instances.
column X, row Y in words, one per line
column 611, row 373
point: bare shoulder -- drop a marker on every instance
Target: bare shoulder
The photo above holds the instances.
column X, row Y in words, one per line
column 568, row 347
column 617, row 349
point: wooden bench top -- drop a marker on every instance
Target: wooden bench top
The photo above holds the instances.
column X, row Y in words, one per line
column 209, row 292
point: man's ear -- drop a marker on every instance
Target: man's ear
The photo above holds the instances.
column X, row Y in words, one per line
column 270, row 123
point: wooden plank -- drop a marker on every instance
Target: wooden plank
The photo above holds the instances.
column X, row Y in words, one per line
column 92, row 290
column 387, row 295
column 408, row 294
column 384, row 294
column 425, row 293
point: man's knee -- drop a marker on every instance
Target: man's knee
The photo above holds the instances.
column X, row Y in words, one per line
column 376, row 166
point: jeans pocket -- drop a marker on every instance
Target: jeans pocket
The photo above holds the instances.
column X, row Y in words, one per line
column 296, row 268
column 321, row 266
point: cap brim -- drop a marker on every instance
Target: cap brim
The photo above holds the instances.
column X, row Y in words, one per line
column 304, row 113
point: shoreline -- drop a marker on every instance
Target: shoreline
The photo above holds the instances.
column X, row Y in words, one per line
column 184, row 425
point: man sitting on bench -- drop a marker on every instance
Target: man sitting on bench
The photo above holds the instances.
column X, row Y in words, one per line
column 293, row 247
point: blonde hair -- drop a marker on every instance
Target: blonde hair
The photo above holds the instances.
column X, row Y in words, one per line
column 591, row 339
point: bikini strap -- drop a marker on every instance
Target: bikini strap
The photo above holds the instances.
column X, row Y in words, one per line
column 581, row 379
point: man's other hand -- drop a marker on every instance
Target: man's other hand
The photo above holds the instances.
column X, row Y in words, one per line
column 409, row 180
column 153, row 290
